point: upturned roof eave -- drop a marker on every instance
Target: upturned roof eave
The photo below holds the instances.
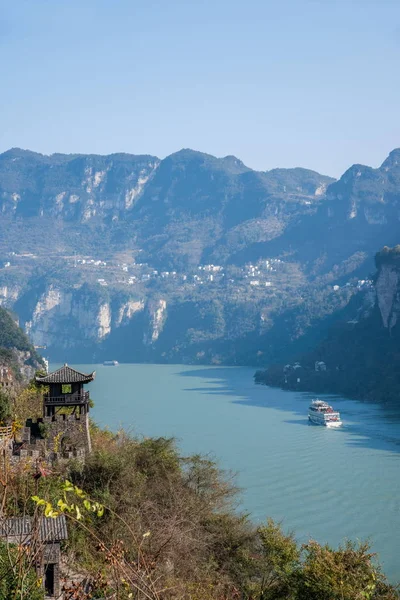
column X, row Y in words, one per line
column 66, row 375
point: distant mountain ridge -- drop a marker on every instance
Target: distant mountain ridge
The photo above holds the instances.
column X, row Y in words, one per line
column 156, row 224
column 189, row 195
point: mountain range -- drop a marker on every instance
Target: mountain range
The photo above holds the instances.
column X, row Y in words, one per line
column 191, row 258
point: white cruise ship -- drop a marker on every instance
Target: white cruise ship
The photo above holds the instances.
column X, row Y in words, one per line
column 321, row 413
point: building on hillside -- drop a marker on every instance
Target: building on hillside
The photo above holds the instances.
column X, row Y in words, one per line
column 320, row 365
column 6, row 443
column 63, row 431
column 41, row 537
column 6, row 376
column 66, row 411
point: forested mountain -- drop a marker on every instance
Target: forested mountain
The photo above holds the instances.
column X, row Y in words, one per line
column 179, row 211
column 191, row 258
column 360, row 351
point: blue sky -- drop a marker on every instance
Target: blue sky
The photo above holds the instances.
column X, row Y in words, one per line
column 312, row 83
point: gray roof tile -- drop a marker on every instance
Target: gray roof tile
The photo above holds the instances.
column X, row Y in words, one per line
column 67, row 375
column 50, row 530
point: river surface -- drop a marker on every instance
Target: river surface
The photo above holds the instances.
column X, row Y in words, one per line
column 321, row 483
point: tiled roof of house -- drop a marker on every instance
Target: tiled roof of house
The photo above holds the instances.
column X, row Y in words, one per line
column 66, row 375
column 49, row 529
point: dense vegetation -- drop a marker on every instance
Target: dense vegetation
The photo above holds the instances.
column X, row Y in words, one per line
column 16, row 349
column 362, row 362
column 11, row 336
column 169, row 531
column 361, row 355
column 17, row 575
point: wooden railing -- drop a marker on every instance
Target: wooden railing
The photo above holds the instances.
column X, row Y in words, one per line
column 67, row 399
column 6, row 432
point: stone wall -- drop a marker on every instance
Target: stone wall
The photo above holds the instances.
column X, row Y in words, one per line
column 67, row 434
column 64, row 437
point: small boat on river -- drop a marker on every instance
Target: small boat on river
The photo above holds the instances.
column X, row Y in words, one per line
column 110, row 363
column 321, row 413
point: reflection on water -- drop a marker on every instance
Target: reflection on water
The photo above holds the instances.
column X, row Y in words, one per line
column 323, row 483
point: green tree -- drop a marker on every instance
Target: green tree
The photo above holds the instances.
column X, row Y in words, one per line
column 278, row 561
column 18, row 580
column 5, row 407
column 347, row 573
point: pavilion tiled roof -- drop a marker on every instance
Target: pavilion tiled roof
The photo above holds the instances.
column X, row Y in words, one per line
column 66, row 375
column 49, row 529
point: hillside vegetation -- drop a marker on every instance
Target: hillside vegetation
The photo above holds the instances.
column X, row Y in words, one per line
column 166, row 529
column 16, row 350
column 360, row 350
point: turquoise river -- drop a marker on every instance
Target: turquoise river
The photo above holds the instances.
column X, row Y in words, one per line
column 323, row 484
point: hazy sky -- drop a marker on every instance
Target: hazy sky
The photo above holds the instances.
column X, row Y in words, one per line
column 311, row 83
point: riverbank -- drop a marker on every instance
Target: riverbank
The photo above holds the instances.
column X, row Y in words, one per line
column 366, row 380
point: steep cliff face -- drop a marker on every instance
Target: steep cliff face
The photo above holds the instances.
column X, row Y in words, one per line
column 80, row 316
column 127, row 310
column 26, row 363
column 71, row 187
column 9, row 294
column 72, row 319
column 388, row 294
column 157, row 315
column 85, row 318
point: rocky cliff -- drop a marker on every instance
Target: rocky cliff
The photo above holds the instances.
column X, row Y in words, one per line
column 388, row 295
column 16, row 351
column 72, row 187
column 86, row 317
column 388, row 286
